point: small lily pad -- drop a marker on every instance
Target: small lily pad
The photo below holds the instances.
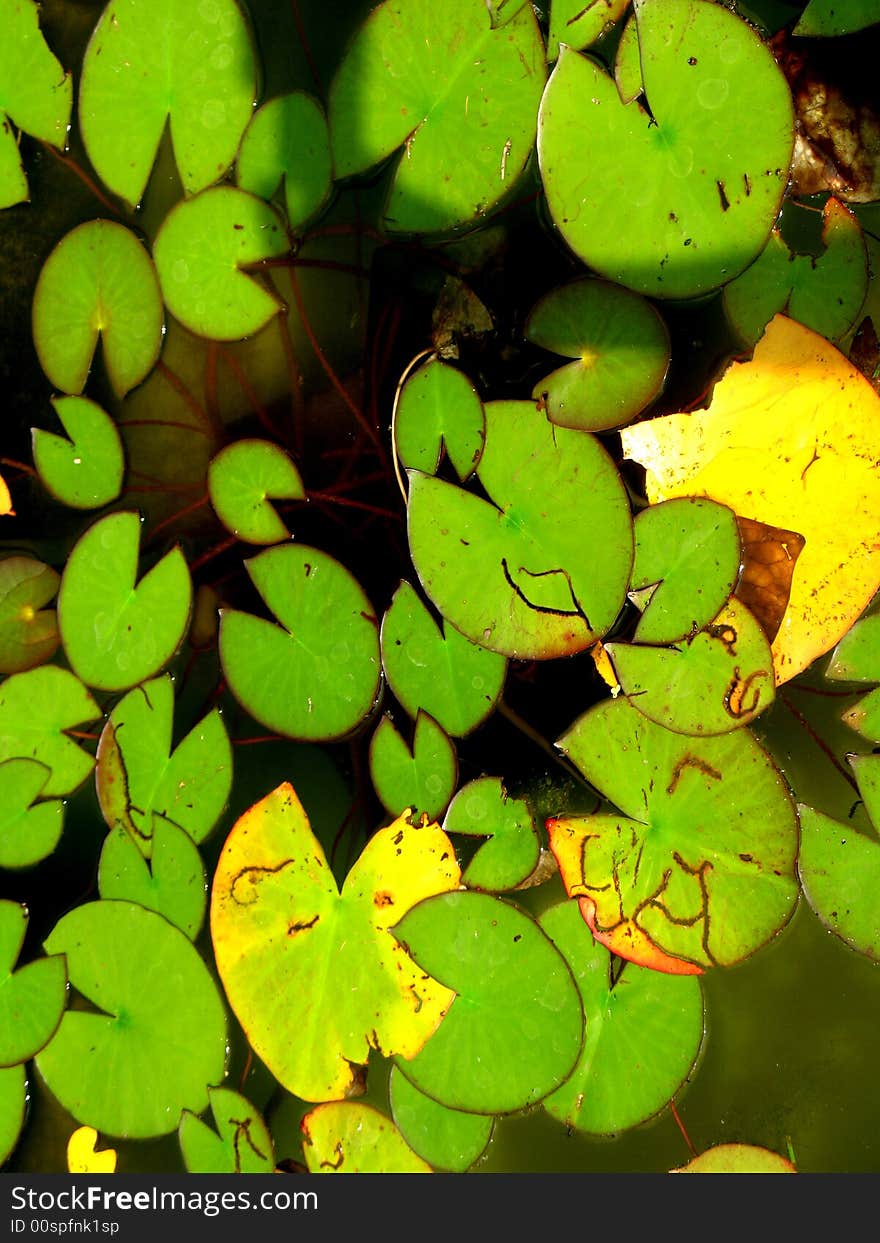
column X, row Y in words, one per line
column 439, row 409
column 514, row 1031
column 32, row 998
column 839, row 869
column 448, row 1139
column 142, row 783
column 203, row 244
column 157, row 1018
column 287, row 140
column 83, row 1156
column 85, row 471
column 620, row 345
column 422, row 779
column 98, row 281
column 240, row 1145
column 737, row 1159
column 29, row 830
column 243, row 479
column 36, row 710
column 173, row 882
column 433, row 668
column 116, row 634
column 483, row 808
column 644, row 1030
column 28, row 631
column 577, row 23
column 346, row 1137
column 35, row 95
column 152, row 62
column 13, row 1102
column 316, row 675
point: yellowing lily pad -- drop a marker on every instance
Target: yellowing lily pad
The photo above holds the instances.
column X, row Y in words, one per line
column 347, row 1137
column 83, row 1156
column 737, row 1159
column 316, row 977
column 790, row 439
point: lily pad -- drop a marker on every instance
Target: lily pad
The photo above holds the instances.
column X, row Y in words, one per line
column 287, row 140
column 28, row 631
column 13, row 1102
column 346, row 1137
column 577, row 23
column 514, row 1031
column 460, row 95
column 644, row 1030
column 83, row 1157
column 203, row 244
column 35, row 95
column 448, row 1139
column 98, row 281
column 687, row 558
column 433, row 668
column 152, row 62
column 316, row 675
column 316, row 977
column 698, row 869
column 173, row 883
column 702, row 163
column 620, row 345
column 29, row 830
column 711, row 682
column 157, row 1019
column 85, row 471
column 142, row 783
column 542, row 570
column 116, row 633
column 857, row 656
column 824, row 293
column 737, row 1159
column 32, row 998
column 836, row 17
column 37, row 708
column 422, row 779
column 439, row 409
column 483, row 808
column 240, row 1145
column 243, row 479
column 839, row 869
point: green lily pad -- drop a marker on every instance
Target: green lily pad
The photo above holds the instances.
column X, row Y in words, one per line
column 483, row 808
column 737, row 1159
column 439, row 409
column 644, row 1030
column 203, row 244
column 157, row 1019
column 448, row 1139
column 710, row 682
column 514, row 1031
column 287, row 140
column 857, row 656
column 864, row 717
column 142, row 783
column 346, row 1137
column 628, row 64
column 702, row 166
column 240, row 1145
column 839, row 869
column 542, row 571
column 698, row 870
column 173, row 883
column 866, row 770
column 116, row 634
column 460, row 95
column 152, row 62
column 36, row 710
column 578, row 23
column 826, row 292
column 433, row 668
column 687, row 559
column 32, row 998
column 35, row 94
column 316, row 977
column 13, row 1103
column 98, row 281
column 85, row 471
column 243, row 479
column 28, row 631
column 316, row 675
column 29, row 830
column 422, row 779
column 621, row 346
column 837, row 17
